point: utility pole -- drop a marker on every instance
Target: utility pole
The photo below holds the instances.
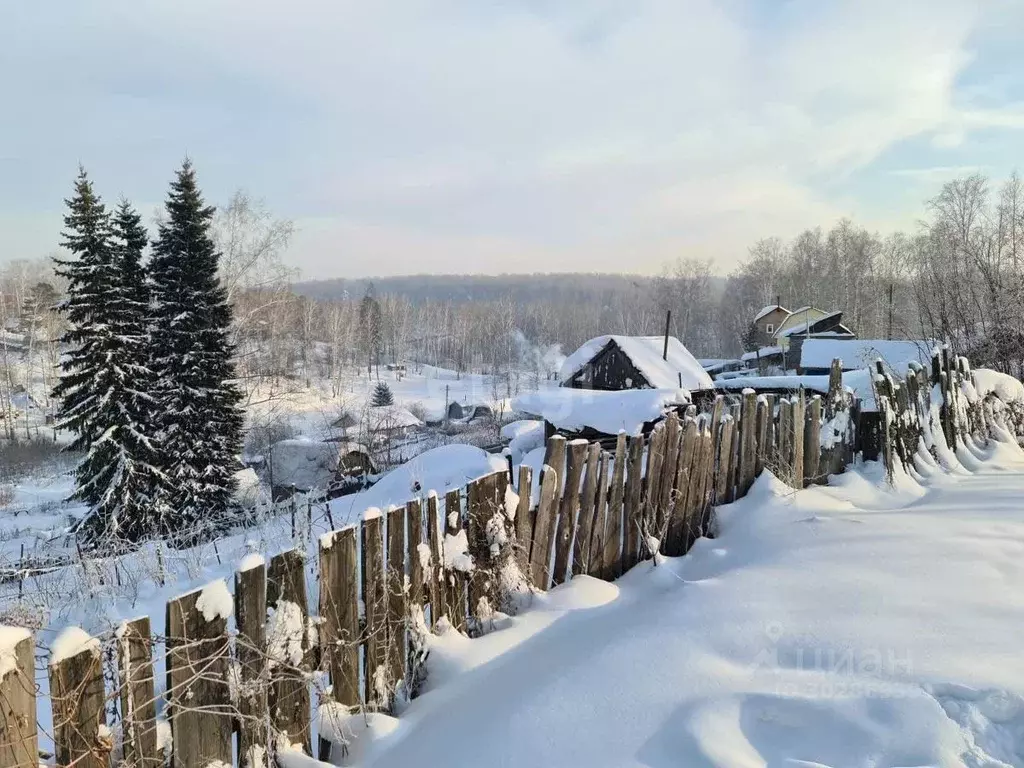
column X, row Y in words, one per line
column 889, row 336
column 668, row 322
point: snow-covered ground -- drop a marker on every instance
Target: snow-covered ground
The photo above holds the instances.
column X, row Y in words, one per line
column 852, row 625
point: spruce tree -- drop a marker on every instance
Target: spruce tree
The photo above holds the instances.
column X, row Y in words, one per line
column 121, row 466
column 89, row 274
column 200, row 415
column 381, row 395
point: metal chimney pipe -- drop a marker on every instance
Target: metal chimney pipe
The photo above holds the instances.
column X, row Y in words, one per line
column 668, row 321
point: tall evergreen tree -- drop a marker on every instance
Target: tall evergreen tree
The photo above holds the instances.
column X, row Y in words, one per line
column 89, row 274
column 120, row 472
column 199, row 403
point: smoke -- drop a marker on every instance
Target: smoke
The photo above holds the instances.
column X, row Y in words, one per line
column 543, row 358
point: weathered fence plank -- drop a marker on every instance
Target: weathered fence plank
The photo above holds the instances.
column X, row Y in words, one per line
column 667, row 487
column 455, row 580
column 339, row 612
column 76, row 697
column 812, row 442
column 599, row 528
column 633, row 512
column 250, row 648
column 585, row 527
column 418, row 555
column 723, row 491
column 569, row 509
column 762, row 417
column 375, row 605
column 612, row 560
column 287, row 634
column 799, row 415
column 435, row 578
column 19, row 742
column 138, row 696
column 395, row 602
column 652, row 483
column 199, row 702
column 524, row 523
column 675, row 538
column 544, row 529
column 748, row 444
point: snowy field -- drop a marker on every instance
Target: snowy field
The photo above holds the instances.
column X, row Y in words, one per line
column 853, row 625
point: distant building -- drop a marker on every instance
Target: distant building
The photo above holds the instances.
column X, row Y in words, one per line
column 302, row 466
column 766, row 323
column 791, row 330
column 634, row 362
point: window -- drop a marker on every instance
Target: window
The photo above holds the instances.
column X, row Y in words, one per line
column 769, row 328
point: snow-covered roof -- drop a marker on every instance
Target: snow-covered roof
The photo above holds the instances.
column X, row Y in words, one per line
column 609, row 412
column 390, row 417
column 858, row 382
column 802, row 327
column 306, row 464
column 768, row 310
column 862, row 353
column 762, row 352
column 645, row 352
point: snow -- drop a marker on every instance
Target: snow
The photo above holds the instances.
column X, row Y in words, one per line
column 646, row 354
column 71, row 642
column 390, row 417
column 768, row 310
column 456, row 552
column 215, row 601
column 250, row 561
column 1005, row 387
column 607, row 412
column 523, row 437
column 306, row 464
column 862, row 353
column 285, row 630
column 439, row 469
column 9, row 639
column 851, row 625
column 762, row 352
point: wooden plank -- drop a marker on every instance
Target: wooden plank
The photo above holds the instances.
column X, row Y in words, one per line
column 748, row 444
column 435, row 578
column 599, row 527
column 477, row 514
column 581, row 562
column 77, row 699
column 414, row 538
column 761, row 418
column 250, row 653
column 676, row 530
column 288, row 695
column 454, row 579
column 798, row 440
column 543, row 529
column 199, row 702
column 784, row 442
column 707, row 493
column 723, row 491
column 19, row 737
column 670, row 452
column 812, row 441
column 734, row 458
column 524, row 523
column 771, row 446
column 138, row 695
column 375, row 605
column 339, row 612
column 652, row 483
column 569, row 510
column 633, row 510
column 396, row 654
column 612, row 559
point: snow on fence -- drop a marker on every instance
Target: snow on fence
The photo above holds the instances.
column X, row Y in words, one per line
column 242, row 668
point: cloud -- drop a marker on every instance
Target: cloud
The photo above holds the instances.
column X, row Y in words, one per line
column 534, row 134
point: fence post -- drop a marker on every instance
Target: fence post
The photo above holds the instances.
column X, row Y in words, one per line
column 670, row 457
column 633, row 509
column 651, row 483
column 375, row 605
column 544, row 529
column 749, row 429
column 524, row 525
column 76, row 696
column 414, row 537
column 19, row 745
column 722, row 488
column 569, row 509
column 339, row 611
column 138, row 697
column 454, row 579
column 784, row 443
column 588, row 510
column 812, row 442
column 595, row 563
column 682, row 488
column 250, row 647
column 199, row 702
column 762, row 418
column 612, row 558
column 289, row 692
column 396, row 653
column 437, row 587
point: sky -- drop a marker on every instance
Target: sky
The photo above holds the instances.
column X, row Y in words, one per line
column 473, row 136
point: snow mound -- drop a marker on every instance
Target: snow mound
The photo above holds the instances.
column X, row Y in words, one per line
column 9, row 639
column 215, row 601
column 71, row 642
column 609, row 412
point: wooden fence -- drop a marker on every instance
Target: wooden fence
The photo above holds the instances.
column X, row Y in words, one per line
column 242, row 669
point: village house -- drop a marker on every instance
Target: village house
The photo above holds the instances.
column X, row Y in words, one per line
column 791, row 331
column 634, row 362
